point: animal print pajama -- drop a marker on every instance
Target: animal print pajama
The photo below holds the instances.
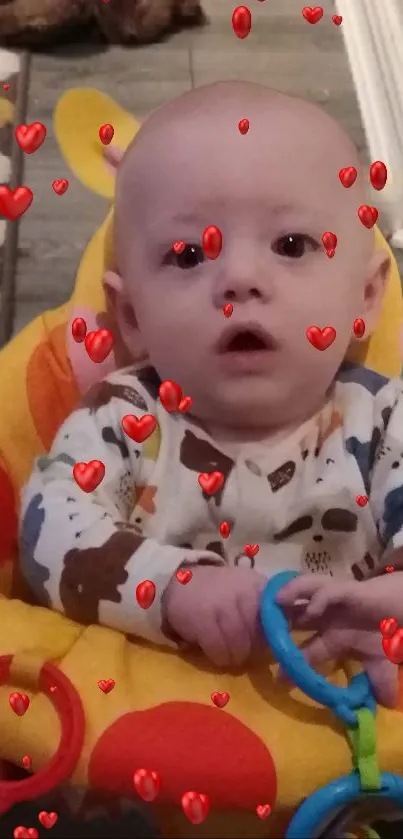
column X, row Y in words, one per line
column 327, row 500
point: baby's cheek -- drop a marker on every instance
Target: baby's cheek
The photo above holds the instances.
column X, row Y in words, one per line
column 86, row 372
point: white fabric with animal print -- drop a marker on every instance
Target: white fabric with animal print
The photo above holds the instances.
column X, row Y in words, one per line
column 328, row 500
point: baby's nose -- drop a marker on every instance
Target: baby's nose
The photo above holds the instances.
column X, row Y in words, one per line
column 242, row 275
column 234, row 292
column 235, row 288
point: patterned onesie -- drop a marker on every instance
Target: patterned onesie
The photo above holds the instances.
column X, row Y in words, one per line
column 329, row 499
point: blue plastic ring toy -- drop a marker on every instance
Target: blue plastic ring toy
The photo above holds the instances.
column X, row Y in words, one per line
column 314, row 813
column 343, row 701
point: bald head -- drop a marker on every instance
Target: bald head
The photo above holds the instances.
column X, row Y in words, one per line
column 273, row 193
column 199, row 130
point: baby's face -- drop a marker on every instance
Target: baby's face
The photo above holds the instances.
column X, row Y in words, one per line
column 272, row 193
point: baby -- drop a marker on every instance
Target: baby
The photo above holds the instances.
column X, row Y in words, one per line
column 297, row 434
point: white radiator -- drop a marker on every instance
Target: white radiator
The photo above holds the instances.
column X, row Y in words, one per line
column 373, row 36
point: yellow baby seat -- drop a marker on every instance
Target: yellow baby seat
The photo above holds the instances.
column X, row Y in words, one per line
column 254, row 747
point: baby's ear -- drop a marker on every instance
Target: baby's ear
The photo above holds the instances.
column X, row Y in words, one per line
column 377, row 277
column 113, row 157
column 128, row 342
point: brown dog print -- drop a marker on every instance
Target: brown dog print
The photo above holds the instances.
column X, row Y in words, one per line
column 102, row 394
column 277, row 479
column 201, row 456
column 94, row 574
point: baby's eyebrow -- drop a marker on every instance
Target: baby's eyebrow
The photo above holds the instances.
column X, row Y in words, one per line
column 304, row 212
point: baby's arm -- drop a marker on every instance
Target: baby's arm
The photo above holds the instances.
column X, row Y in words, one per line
column 346, row 613
column 379, row 593
column 79, row 553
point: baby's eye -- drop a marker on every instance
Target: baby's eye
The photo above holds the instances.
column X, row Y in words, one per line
column 294, row 245
column 190, row 257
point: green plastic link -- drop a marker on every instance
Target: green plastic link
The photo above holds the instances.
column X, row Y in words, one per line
column 363, row 743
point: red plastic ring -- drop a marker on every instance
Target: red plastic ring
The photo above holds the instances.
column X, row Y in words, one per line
column 69, row 707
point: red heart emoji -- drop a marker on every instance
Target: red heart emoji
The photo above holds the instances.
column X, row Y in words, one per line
column 368, row 215
column 147, row 784
column 184, row 575
column 228, row 309
column 211, row 482
column 321, row 339
column 390, row 568
column 106, row 133
column 393, row 647
column 60, row 186
column 330, row 253
column 241, row 21
column 30, row 137
column 220, row 699
column 170, row 396
column 178, row 247
column 6, row 87
column 185, row 404
column 139, row 429
column 225, row 529
column 243, row 124
column 47, row 819
column 25, row 833
column 89, row 475
column 378, row 175
column 348, row 176
column 19, row 702
column 361, row 500
column 329, row 241
column 263, row 811
column 212, row 238
column 98, row 344
column 15, row 202
column 251, row 550
column 359, row 328
column 26, row 761
column 145, row 594
column 312, row 14
column 388, row 627
column 53, row 688
column 106, row 685
column 337, row 20
column 79, row 330
column 195, row 806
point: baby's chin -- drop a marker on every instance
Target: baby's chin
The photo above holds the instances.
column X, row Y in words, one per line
column 249, row 406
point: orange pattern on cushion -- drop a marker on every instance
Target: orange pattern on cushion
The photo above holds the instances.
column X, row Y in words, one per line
column 49, row 406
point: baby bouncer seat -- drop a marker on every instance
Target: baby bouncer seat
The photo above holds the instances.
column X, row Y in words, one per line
column 267, row 748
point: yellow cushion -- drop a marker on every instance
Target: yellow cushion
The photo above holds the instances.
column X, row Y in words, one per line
column 175, row 730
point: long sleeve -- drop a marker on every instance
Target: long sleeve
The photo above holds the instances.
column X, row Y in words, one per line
column 79, row 552
column 386, row 493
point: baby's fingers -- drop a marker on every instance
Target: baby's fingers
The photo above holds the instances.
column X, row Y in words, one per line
column 319, row 602
column 301, row 588
column 383, row 676
column 315, row 651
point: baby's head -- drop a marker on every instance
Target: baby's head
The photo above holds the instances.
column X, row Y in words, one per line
column 272, row 193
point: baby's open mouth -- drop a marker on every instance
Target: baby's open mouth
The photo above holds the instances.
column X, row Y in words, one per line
column 246, row 342
column 246, row 339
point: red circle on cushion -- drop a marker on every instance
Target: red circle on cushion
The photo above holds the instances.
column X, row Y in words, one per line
column 9, row 521
column 70, row 710
column 192, row 747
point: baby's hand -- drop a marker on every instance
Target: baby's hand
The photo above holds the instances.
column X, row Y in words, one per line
column 369, row 601
column 218, row 610
column 340, row 613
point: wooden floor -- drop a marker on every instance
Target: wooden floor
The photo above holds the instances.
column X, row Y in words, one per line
column 282, row 51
